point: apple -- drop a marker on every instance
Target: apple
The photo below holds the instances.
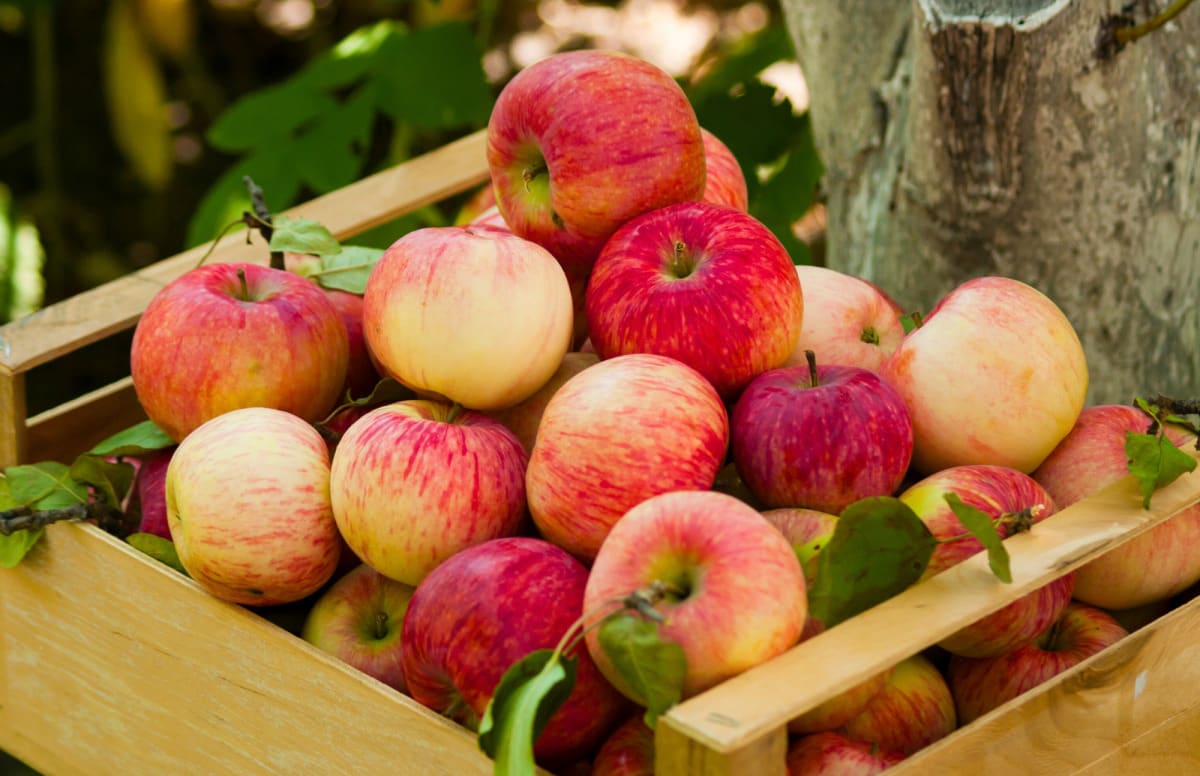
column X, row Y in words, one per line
column 615, row 434
column 435, row 284
column 996, row 491
column 981, row 684
column 489, row 606
column 841, row 708
column 523, row 419
column 148, row 493
column 807, row 530
column 705, row 284
column 582, row 141
column 415, row 481
column 491, row 217
column 847, row 320
column 628, row 750
column 357, row 619
column 836, row 754
column 994, row 375
column 820, row 437
column 361, row 375
column 225, row 336
column 914, row 709
column 737, row 596
column 248, row 507
column 725, row 183
column 1150, row 567
column 479, row 201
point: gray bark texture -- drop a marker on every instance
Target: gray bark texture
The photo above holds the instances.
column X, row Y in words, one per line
column 965, row 138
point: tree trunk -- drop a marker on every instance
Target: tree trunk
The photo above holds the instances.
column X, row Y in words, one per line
column 966, row 137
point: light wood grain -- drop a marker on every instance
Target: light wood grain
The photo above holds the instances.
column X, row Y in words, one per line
column 116, row 306
column 676, row 753
column 61, row 433
column 756, row 702
column 1171, row 748
column 1092, row 713
column 13, row 438
column 111, row 663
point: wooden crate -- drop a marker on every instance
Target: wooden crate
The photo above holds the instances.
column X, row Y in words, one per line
column 113, row 663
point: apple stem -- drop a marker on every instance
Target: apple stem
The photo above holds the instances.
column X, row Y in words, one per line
column 869, row 336
column 682, row 263
column 245, row 289
column 455, row 410
column 917, row 319
column 811, row 358
column 1020, row 521
column 380, row 625
column 107, row 517
column 529, row 174
column 642, row 601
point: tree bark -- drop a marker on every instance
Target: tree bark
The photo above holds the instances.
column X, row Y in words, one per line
column 965, row 138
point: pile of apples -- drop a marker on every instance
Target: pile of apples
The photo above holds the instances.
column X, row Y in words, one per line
column 585, row 360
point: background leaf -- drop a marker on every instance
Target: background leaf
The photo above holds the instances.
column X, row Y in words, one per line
column 45, row 485
column 653, row 667
column 980, row 525
column 528, row 694
column 140, row 439
column 272, row 169
column 290, row 106
column 879, row 548
column 1155, row 461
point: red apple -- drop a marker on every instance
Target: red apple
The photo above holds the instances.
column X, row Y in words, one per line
column 614, row 435
column 725, row 183
column 414, row 482
column 995, row 375
column 981, row 684
column 480, row 200
column 847, row 320
column 486, row 608
column 739, row 597
column 628, row 750
column 357, row 619
column 435, row 284
column 225, row 336
column 1150, row 567
column 708, row 285
column 361, row 375
column 820, row 437
column 914, row 709
column 523, row 419
column 996, row 491
column 836, row 754
column 248, row 507
column 148, row 494
column 491, row 217
column 583, row 141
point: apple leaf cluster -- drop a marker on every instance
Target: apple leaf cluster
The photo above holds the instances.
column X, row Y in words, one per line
column 528, row 694
column 655, row 667
column 313, row 132
column 97, row 476
column 1153, row 458
column 339, row 267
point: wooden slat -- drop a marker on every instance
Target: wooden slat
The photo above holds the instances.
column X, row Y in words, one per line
column 675, row 752
column 753, row 704
column 1092, row 713
column 1172, row 747
column 62, row 433
column 116, row 306
column 13, row 439
column 111, row 663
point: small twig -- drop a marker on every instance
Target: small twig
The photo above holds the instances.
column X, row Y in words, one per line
column 261, row 218
column 107, row 517
column 1119, row 30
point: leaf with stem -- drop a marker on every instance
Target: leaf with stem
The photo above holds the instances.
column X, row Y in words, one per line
column 980, row 525
column 528, row 694
column 653, row 667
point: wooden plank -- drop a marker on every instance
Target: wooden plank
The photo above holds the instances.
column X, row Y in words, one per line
column 753, row 704
column 676, row 752
column 111, row 663
column 116, row 306
column 61, row 433
column 1172, row 747
column 13, row 439
column 1091, row 714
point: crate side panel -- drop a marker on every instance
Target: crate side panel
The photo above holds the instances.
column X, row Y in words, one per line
column 1171, row 748
column 1086, row 713
column 112, row 663
column 62, row 433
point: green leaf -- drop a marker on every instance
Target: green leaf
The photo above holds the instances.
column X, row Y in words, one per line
column 909, row 322
column 348, row 269
column 982, row 527
column 272, row 169
column 302, row 235
column 162, row 550
column 1155, row 461
column 110, row 479
column 350, row 59
column 528, row 694
column 789, row 191
column 143, row 438
column 741, row 62
column 433, row 78
column 45, row 485
column 16, row 545
column 331, row 151
column 879, row 548
column 268, row 116
column 653, row 667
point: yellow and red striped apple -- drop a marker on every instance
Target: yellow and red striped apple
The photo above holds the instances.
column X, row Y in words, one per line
column 847, row 320
column 912, row 710
column 725, row 183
